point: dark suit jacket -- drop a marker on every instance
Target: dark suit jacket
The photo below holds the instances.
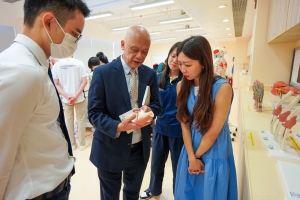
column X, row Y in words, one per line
column 109, row 98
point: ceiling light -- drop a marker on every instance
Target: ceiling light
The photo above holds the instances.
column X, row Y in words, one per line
column 171, row 38
column 181, row 19
column 188, row 29
column 229, row 34
column 204, row 35
column 227, row 29
column 123, row 27
column 155, row 32
column 222, row 6
column 226, row 20
column 150, row 4
column 99, row 15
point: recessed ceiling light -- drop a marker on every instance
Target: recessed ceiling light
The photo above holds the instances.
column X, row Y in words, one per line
column 161, row 39
column 123, row 27
column 181, row 19
column 155, row 32
column 229, row 34
column 222, row 6
column 151, row 4
column 226, row 20
column 99, row 15
column 227, row 29
column 188, row 29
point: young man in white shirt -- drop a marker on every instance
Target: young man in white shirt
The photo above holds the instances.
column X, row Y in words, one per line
column 70, row 78
column 36, row 159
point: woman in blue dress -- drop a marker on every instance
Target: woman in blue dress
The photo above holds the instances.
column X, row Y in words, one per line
column 206, row 169
column 167, row 136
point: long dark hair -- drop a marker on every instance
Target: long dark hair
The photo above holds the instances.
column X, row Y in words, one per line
column 162, row 80
column 197, row 48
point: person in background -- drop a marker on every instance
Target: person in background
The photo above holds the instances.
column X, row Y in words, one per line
column 102, row 58
column 70, row 78
column 52, row 61
column 167, row 135
column 36, row 159
column 155, row 66
column 161, row 66
column 93, row 63
column 206, row 168
column 122, row 148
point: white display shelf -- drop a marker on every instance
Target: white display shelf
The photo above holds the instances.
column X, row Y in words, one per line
column 274, row 147
column 290, row 173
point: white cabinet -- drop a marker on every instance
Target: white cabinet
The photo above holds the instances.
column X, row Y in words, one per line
column 284, row 21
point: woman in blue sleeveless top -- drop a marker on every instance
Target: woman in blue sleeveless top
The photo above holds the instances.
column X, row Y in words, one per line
column 206, row 169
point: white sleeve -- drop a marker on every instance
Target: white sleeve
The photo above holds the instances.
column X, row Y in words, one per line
column 83, row 70
column 20, row 92
column 54, row 71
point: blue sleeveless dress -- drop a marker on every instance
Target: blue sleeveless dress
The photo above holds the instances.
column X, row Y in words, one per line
column 218, row 182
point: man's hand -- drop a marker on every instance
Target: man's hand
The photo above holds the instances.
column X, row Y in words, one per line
column 127, row 124
column 146, row 108
column 72, row 100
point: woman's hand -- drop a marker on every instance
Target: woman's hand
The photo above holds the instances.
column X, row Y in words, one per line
column 196, row 167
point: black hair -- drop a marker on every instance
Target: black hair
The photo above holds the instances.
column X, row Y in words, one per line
column 93, row 61
column 102, row 57
column 62, row 9
column 197, row 48
column 162, row 80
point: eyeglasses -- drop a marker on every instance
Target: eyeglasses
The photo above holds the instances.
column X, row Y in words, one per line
column 76, row 34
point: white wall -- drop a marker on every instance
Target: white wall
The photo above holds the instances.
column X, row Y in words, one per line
column 7, row 36
column 7, row 14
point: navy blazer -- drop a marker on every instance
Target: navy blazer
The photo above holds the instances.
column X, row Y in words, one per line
column 109, row 98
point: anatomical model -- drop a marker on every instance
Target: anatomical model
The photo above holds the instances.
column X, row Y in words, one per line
column 220, row 64
column 280, row 88
column 258, row 95
column 277, row 110
column 290, row 121
column 143, row 117
column 284, row 114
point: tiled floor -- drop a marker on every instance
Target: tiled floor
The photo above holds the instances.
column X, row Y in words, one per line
column 85, row 183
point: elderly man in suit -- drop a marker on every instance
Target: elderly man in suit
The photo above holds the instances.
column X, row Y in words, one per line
column 116, row 88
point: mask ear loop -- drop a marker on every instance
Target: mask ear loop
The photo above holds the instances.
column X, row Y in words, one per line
column 59, row 26
column 47, row 33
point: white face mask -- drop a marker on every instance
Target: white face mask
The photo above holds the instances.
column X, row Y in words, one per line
column 67, row 47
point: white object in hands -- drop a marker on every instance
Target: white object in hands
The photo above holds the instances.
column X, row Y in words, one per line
column 288, row 124
column 277, row 110
column 126, row 116
column 143, row 117
column 146, row 98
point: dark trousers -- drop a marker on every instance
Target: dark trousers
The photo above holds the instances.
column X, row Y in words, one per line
column 161, row 145
column 110, row 182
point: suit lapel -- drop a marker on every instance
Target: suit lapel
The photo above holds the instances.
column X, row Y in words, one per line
column 120, row 79
column 142, row 84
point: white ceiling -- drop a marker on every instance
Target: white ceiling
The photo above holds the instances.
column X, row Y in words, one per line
column 204, row 13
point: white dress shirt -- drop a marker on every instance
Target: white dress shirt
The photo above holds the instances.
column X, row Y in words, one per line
column 34, row 155
column 136, row 136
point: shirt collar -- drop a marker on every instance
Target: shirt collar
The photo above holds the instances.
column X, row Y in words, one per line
column 35, row 49
column 126, row 67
